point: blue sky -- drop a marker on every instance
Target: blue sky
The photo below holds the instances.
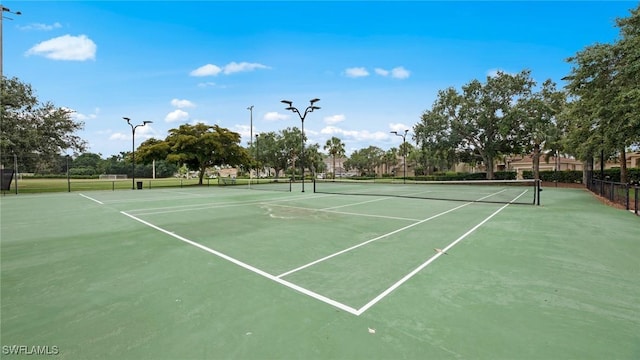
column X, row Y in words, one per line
column 375, row 65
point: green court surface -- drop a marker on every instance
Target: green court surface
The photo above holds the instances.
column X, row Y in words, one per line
column 223, row 273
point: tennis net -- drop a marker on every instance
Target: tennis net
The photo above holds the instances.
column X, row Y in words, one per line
column 489, row 191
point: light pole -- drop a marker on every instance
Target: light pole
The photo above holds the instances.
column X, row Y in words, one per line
column 309, row 109
column 133, row 149
column 404, row 153
column 3, row 10
column 257, row 158
column 250, row 108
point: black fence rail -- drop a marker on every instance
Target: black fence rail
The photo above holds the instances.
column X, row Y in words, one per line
column 623, row 194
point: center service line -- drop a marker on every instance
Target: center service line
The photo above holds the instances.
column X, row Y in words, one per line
column 432, row 259
column 379, row 237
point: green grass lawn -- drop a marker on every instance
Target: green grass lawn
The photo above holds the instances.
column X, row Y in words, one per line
column 38, row 185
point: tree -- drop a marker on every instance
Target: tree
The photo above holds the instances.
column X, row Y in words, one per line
column 314, row 159
column 198, row 146
column 365, row 160
column 537, row 114
column 30, row 127
column 604, row 81
column 390, row 158
column 269, row 152
column 335, row 148
column 290, row 144
column 479, row 121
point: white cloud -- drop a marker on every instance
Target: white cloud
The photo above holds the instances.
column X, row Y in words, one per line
column 83, row 117
column 182, row 103
column 400, row 73
column 67, row 47
column 231, row 68
column 206, row 84
column 234, row 67
column 382, row 72
column 144, row 132
column 399, row 127
column 359, row 135
column 356, row 72
column 177, row 115
column 334, row 119
column 41, row 27
column 206, row 70
column 120, row 136
column 275, row 116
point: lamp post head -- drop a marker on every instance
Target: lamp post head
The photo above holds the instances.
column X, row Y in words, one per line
column 393, row 132
column 314, row 100
column 287, row 102
column 290, row 108
column 146, row 122
column 315, row 108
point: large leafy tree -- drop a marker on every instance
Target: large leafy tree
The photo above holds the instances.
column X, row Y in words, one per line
column 269, row 153
column 198, row 146
column 604, row 82
column 538, row 122
column 390, row 158
column 365, row 160
column 314, row 159
column 290, row 144
column 480, row 120
column 34, row 130
column 335, row 148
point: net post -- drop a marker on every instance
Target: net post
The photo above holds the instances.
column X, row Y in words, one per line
column 537, row 193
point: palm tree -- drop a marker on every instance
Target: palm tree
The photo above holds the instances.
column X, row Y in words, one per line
column 335, row 147
column 390, row 158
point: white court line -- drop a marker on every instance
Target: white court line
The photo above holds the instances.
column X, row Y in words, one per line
column 181, row 208
column 288, row 284
column 141, row 200
column 432, row 259
column 354, row 204
column 383, row 236
column 343, row 212
column 371, row 240
column 90, row 198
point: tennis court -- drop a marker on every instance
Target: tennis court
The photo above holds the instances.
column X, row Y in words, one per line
column 230, row 272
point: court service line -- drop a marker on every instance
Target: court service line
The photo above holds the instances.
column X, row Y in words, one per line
column 181, row 208
column 432, row 259
column 246, row 266
column 343, row 212
column 369, row 241
column 380, row 237
column 354, row 204
column 90, row 198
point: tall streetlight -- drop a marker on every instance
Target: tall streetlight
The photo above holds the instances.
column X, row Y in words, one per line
column 257, row 158
column 133, row 149
column 404, row 153
column 3, row 10
column 309, row 109
column 250, row 108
